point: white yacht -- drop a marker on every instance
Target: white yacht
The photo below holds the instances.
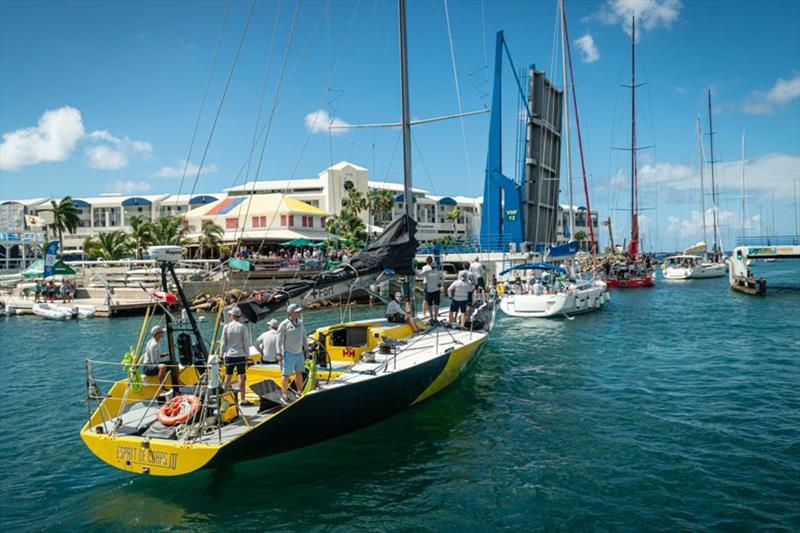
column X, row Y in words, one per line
column 682, row 266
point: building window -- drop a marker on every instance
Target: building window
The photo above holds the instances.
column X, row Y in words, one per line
column 283, row 220
column 232, row 223
column 308, row 221
column 291, row 220
column 323, row 221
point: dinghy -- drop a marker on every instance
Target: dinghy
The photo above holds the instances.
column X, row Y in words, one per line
column 50, row 311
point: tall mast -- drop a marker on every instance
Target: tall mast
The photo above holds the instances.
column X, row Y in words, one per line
column 566, row 119
column 406, row 122
column 702, row 184
column 633, row 248
column 713, row 182
column 744, row 197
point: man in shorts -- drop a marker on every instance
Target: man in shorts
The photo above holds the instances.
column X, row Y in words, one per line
column 151, row 357
column 458, row 291
column 479, row 274
column 235, row 349
column 432, row 285
column 292, row 350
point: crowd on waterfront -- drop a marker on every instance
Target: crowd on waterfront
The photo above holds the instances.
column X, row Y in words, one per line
column 311, row 257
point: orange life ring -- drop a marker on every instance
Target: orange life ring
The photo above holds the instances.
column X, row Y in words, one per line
column 178, row 410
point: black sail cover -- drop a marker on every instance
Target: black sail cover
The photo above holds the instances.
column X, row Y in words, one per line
column 393, row 253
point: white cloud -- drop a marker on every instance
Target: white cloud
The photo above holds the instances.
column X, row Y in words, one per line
column 177, row 170
column 105, row 158
column 692, row 227
column 52, row 139
column 320, row 121
column 765, row 102
column 650, row 14
column 588, row 49
column 128, row 186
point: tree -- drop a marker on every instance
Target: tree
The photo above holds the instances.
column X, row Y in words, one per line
column 141, row 235
column 108, row 246
column 380, row 201
column 169, row 230
column 210, row 236
column 453, row 216
column 354, row 202
column 65, row 218
column 348, row 226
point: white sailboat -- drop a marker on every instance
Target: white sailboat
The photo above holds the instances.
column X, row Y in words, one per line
column 544, row 290
column 689, row 265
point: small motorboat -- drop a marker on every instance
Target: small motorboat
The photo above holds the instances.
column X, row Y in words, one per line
column 49, row 311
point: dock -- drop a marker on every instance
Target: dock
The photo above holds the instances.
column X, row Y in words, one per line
column 105, row 308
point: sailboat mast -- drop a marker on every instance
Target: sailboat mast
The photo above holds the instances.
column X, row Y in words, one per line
column 744, row 197
column 405, row 120
column 633, row 249
column 701, row 161
column 713, row 182
column 567, row 119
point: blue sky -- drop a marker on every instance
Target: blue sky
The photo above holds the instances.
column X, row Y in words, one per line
column 101, row 97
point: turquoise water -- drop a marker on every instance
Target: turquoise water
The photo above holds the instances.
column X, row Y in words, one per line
column 675, row 407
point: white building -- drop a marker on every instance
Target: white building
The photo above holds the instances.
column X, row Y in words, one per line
column 581, row 225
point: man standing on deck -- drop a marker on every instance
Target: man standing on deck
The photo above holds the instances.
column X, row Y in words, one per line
column 235, row 349
column 292, row 349
column 267, row 343
column 151, row 357
column 432, row 285
column 459, row 291
column 479, row 273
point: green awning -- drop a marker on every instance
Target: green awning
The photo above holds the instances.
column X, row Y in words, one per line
column 298, row 242
column 36, row 270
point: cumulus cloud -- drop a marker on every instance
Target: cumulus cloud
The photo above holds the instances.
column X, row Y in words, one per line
column 128, row 186
column 650, row 14
column 765, row 102
column 105, row 158
column 589, row 52
column 177, row 170
column 53, row 139
column 320, row 121
column 111, row 153
column 692, row 227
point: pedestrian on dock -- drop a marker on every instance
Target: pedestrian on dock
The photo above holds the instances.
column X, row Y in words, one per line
column 151, row 357
column 235, row 349
column 432, row 285
column 292, row 350
column 267, row 343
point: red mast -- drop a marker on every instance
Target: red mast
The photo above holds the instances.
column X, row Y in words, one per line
column 633, row 248
column 592, row 241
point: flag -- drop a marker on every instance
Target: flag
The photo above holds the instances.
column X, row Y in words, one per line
column 33, row 220
column 50, row 259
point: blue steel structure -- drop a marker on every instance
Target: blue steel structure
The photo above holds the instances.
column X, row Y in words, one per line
column 502, row 215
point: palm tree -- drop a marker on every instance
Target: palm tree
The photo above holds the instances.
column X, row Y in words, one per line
column 348, row 226
column 109, row 246
column 453, row 216
column 580, row 236
column 380, row 202
column 65, row 218
column 169, row 230
column 210, row 237
column 141, row 235
column 354, row 202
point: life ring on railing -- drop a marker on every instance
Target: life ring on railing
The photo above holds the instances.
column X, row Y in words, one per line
column 178, row 410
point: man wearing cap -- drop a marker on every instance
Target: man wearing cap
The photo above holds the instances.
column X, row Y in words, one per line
column 459, row 292
column 267, row 343
column 151, row 357
column 292, row 349
column 396, row 314
column 235, row 349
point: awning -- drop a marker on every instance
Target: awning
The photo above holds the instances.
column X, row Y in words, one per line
column 297, row 242
column 535, row 266
column 36, row 270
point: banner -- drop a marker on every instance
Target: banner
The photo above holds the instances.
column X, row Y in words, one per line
column 50, row 259
column 564, row 250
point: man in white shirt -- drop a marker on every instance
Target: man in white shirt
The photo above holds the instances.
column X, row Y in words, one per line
column 459, row 291
column 432, row 285
column 395, row 312
column 538, row 288
column 479, row 273
column 267, row 343
column 235, row 349
column 151, row 357
column 292, row 349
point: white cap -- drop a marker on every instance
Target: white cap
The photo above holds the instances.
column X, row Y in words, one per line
column 156, row 329
column 235, row 311
column 293, row 308
column 273, row 323
column 462, row 274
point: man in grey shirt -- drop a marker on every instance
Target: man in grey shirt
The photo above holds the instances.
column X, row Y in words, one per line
column 292, row 349
column 235, row 349
column 267, row 343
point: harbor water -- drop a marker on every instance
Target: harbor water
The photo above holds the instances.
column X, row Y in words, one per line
column 674, row 407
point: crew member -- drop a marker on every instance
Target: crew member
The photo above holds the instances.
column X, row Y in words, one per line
column 292, row 349
column 151, row 357
column 459, row 291
column 235, row 349
column 267, row 343
column 432, row 284
column 479, row 273
column 395, row 312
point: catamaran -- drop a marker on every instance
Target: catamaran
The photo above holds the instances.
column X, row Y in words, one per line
column 359, row 373
column 696, row 262
column 634, row 271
